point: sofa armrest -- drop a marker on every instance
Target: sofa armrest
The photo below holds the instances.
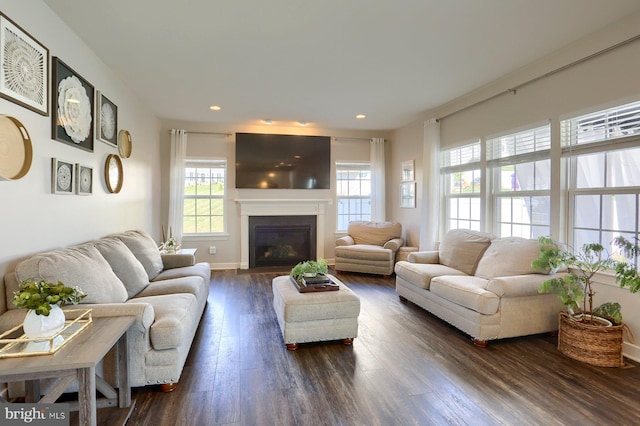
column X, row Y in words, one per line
column 424, row 257
column 394, row 244
column 171, row 261
column 347, row 240
column 518, row 285
column 143, row 312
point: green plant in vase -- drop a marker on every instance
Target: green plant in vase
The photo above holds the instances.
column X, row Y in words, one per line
column 309, row 268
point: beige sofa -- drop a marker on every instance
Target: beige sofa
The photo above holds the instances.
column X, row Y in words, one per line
column 369, row 247
column 125, row 274
column 483, row 285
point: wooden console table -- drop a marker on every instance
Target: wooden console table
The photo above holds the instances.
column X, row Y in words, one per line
column 77, row 360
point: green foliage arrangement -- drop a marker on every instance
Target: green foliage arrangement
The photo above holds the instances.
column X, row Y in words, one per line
column 40, row 295
column 574, row 288
column 310, row 267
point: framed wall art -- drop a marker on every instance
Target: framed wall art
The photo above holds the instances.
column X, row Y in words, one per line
column 408, row 195
column 71, row 107
column 84, row 180
column 62, row 176
column 407, row 171
column 24, row 68
column 106, row 120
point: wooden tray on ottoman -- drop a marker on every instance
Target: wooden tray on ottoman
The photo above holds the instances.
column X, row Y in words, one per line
column 304, row 287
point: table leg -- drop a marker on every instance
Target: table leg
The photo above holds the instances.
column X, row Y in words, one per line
column 124, row 390
column 32, row 390
column 87, row 396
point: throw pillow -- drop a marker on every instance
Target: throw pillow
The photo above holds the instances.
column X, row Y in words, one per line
column 462, row 249
column 509, row 256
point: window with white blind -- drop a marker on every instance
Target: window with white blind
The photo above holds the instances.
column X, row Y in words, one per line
column 204, row 197
column 353, row 193
column 604, row 174
column 461, row 175
column 520, row 167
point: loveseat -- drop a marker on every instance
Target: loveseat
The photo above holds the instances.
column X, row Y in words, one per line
column 369, row 247
column 483, row 285
column 125, row 274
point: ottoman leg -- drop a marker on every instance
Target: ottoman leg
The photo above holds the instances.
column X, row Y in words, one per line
column 292, row 346
column 347, row 341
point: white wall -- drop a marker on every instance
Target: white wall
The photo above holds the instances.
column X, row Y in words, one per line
column 198, row 145
column 33, row 219
column 606, row 80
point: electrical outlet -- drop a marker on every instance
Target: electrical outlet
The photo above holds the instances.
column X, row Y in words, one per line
column 212, row 250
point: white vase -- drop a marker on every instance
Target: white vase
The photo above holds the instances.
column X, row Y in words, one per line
column 36, row 326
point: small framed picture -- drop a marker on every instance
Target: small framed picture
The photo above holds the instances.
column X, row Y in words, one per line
column 62, row 176
column 84, row 180
column 407, row 171
column 106, row 120
column 408, row 195
column 24, row 68
column 71, row 107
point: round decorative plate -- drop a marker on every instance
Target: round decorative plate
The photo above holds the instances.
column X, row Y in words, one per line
column 124, row 143
column 15, row 149
column 113, row 173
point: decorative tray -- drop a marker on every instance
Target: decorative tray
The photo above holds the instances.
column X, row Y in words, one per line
column 13, row 343
column 311, row 287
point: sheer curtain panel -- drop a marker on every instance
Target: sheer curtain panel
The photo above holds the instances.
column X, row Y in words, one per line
column 377, row 180
column 176, row 185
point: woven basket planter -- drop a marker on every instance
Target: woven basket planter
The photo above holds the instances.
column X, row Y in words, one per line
column 595, row 345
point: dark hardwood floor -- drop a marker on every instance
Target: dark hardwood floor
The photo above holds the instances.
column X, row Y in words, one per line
column 406, row 367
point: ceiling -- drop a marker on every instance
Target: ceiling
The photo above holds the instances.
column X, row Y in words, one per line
column 323, row 61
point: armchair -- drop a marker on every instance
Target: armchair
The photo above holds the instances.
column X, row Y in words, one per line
column 369, row 247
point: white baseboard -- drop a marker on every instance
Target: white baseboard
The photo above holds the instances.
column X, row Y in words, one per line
column 631, row 351
column 221, row 266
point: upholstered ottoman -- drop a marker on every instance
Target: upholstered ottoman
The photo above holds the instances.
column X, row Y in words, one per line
column 317, row 316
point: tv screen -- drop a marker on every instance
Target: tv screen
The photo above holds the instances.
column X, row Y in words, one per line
column 283, row 161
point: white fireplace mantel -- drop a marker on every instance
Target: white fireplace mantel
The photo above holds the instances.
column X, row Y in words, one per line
column 280, row 207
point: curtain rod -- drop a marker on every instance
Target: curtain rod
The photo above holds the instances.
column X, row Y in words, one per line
column 547, row 74
column 205, row 133
column 351, row 139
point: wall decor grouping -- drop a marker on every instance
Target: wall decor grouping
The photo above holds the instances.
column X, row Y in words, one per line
column 71, row 107
column 24, row 68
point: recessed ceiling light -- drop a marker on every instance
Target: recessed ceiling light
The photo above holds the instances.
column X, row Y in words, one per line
column 361, row 116
column 268, row 121
column 215, row 108
column 302, row 123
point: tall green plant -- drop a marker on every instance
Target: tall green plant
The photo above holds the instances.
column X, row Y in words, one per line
column 574, row 288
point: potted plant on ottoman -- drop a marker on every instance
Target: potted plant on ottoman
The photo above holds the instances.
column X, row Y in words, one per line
column 586, row 334
column 43, row 300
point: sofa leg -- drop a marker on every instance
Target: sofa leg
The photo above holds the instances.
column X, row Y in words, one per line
column 481, row 343
column 292, row 346
column 402, row 299
column 347, row 341
column 168, row 387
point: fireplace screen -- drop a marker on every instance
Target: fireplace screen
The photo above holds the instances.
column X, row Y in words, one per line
column 281, row 240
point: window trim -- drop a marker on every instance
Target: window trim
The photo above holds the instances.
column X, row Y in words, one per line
column 204, row 161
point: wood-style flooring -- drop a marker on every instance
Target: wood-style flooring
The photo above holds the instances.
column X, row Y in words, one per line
column 406, row 367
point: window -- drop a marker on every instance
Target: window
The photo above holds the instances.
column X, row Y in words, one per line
column 353, row 193
column 520, row 167
column 604, row 174
column 461, row 176
column 204, row 196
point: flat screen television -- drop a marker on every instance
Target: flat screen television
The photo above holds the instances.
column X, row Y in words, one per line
column 283, row 161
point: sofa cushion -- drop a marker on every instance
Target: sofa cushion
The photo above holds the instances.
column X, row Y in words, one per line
column 509, row 256
column 421, row 274
column 374, row 233
column 469, row 292
column 191, row 285
column 364, row 252
column 81, row 266
column 201, row 269
column 125, row 265
column 145, row 250
column 174, row 317
column 462, row 249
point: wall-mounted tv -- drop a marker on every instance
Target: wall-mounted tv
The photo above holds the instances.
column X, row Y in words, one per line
column 283, row 161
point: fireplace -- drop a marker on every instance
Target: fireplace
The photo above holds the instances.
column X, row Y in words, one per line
column 288, row 207
column 281, row 240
